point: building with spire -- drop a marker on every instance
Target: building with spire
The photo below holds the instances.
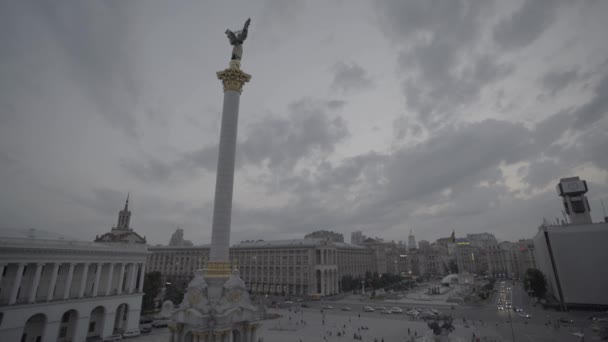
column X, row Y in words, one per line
column 122, row 233
column 411, row 241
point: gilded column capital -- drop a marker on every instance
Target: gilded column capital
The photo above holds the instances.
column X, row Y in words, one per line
column 233, row 79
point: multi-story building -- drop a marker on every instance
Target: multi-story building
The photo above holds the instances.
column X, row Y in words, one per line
column 467, row 258
column 356, row 237
column 379, row 253
column 397, row 261
column 431, row 259
column 325, row 235
column 572, row 255
column 58, row 290
column 299, row 267
column 411, row 241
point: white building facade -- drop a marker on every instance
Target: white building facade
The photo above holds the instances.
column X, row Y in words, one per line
column 295, row 267
column 54, row 290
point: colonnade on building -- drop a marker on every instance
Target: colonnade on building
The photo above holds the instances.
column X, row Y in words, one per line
column 38, row 282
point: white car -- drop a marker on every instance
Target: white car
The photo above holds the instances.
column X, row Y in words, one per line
column 385, row 312
column 368, row 309
column 327, row 307
column 396, row 309
column 132, row 333
column 413, row 312
column 345, row 308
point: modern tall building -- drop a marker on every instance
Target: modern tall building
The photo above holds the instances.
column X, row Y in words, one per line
column 59, row 290
column 177, row 239
column 356, row 237
column 573, row 255
column 411, row 241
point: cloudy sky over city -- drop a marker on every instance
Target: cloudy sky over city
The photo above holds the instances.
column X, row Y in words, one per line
column 380, row 116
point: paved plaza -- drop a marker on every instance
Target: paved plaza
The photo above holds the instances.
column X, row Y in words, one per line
column 310, row 325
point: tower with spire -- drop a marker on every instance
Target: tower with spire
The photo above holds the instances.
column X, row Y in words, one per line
column 411, row 241
column 124, row 216
column 122, row 233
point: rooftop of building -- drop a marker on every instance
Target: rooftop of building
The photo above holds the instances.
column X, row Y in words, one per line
column 57, row 244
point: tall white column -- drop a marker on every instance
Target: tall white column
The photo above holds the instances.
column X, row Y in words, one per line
column 233, row 80
column 97, row 276
column 132, row 277
column 16, row 284
column 141, row 278
column 54, row 274
column 68, row 282
column 83, row 280
column 110, row 276
column 35, row 283
column 122, row 277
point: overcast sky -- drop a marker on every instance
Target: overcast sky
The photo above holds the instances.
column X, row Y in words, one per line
column 378, row 116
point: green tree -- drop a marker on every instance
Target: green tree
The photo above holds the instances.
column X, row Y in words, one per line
column 152, row 287
column 174, row 293
column 534, row 280
column 453, row 267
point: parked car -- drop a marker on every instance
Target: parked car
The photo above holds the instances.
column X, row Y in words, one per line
column 145, row 328
column 396, row 309
column 345, row 308
column 413, row 312
column 115, row 337
column 385, row 312
column 305, row 305
column 160, row 324
column 380, row 308
column 131, row 333
column 327, row 307
column 566, row 320
column 368, row 309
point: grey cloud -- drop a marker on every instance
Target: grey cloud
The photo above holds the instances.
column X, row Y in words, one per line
column 443, row 69
column 281, row 142
column 336, row 104
column 454, row 155
column 350, row 76
column 595, row 109
column 94, row 43
column 526, row 24
column 556, row 80
column 381, row 190
column 151, row 171
column 542, row 172
column 275, row 142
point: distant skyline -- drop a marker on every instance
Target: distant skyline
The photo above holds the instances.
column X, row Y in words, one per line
column 377, row 116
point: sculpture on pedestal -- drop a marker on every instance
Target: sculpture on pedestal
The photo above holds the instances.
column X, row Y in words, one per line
column 236, row 40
